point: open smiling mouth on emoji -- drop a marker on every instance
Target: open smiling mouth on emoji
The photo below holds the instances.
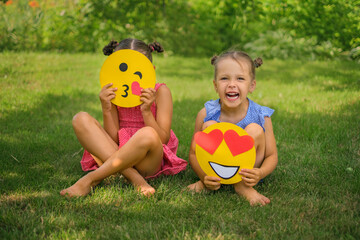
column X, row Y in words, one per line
column 223, row 171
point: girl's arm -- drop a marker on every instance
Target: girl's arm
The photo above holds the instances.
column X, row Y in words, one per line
column 253, row 176
column 163, row 98
column 110, row 113
column 271, row 156
column 111, row 122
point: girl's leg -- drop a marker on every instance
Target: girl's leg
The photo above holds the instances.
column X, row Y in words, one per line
column 143, row 151
column 255, row 198
column 199, row 185
column 93, row 137
column 207, row 124
column 257, row 133
column 95, row 140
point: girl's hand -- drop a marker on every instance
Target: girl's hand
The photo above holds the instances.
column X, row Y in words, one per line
column 106, row 95
column 251, row 176
column 212, row 183
column 147, row 96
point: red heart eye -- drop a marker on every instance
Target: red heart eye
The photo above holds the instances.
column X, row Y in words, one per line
column 238, row 144
column 209, row 141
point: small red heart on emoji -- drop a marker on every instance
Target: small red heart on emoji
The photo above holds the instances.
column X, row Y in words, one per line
column 238, row 144
column 209, row 141
column 135, row 88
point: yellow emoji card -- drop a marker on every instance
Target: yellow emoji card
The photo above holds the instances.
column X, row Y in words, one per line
column 223, row 149
column 129, row 71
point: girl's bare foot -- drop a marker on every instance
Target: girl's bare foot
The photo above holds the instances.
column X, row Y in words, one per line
column 251, row 194
column 197, row 187
column 146, row 190
column 142, row 186
column 81, row 188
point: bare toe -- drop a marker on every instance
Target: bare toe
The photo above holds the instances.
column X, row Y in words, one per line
column 251, row 195
column 196, row 187
column 79, row 189
column 67, row 193
column 265, row 199
column 146, row 190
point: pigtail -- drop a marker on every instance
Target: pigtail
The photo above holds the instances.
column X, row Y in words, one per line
column 258, row 62
column 155, row 46
column 109, row 49
column 213, row 59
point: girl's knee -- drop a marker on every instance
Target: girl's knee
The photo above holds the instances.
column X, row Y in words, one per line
column 81, row 120
column 255, row 131
column 258, row 134
column 148, row 137
column 208, row 123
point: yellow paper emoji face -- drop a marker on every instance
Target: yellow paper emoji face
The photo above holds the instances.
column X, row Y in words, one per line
column 129, row 71
column 223, row 149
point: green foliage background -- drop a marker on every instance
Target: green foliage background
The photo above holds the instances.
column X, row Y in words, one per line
column 271, row 28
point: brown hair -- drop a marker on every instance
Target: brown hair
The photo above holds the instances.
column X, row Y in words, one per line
column 134, row 44
column 238, row 55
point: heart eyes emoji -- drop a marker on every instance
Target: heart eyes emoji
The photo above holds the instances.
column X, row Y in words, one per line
column 212, row 140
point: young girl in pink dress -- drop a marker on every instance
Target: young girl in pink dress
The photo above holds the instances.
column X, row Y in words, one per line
column 137, row 141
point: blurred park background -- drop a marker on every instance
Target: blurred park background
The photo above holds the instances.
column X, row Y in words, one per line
column 50, row 59
column 300, row 29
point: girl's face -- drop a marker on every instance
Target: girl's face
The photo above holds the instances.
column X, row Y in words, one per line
column 233, row 82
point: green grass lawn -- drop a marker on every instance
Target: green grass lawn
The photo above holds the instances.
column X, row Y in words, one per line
column 314, row 191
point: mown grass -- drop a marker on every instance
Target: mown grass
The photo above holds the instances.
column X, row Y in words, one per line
column 314, row 191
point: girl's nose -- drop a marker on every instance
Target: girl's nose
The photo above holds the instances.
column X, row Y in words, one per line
column 231, row 84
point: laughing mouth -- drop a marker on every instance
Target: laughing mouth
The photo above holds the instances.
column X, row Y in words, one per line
column 223, row 171
column 232, row 96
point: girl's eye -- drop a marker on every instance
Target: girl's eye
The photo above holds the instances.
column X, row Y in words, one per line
column 223, row 78
column 240, row 79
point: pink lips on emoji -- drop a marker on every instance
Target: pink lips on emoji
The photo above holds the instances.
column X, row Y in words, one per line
column 136, row 89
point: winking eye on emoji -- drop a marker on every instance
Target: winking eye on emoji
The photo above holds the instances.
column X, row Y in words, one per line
column 129, row 71
column 223, row 149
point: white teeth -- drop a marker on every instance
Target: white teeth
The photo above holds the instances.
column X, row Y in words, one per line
column 232, row 95
column 224, row 172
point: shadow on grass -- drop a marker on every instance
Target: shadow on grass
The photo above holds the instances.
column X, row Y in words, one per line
column 39, row 143
column 40, row 148
column 318, row 150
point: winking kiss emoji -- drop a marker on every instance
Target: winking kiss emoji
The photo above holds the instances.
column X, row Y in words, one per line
column 129, row 71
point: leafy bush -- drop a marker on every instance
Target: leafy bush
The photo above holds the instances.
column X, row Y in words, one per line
column 355, row 53
column 280, row 44
column 19, row 26
column 297, row 28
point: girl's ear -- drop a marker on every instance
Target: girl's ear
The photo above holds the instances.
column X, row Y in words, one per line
column 252, row 86
column 215, row 86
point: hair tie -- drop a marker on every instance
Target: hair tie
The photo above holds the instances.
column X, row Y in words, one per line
column 152, row 48
column 258, row 62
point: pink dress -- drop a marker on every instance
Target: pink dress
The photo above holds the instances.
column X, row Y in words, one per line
column 131, row 120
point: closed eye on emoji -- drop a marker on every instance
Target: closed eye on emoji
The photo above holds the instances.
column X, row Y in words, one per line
column 139, row 74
